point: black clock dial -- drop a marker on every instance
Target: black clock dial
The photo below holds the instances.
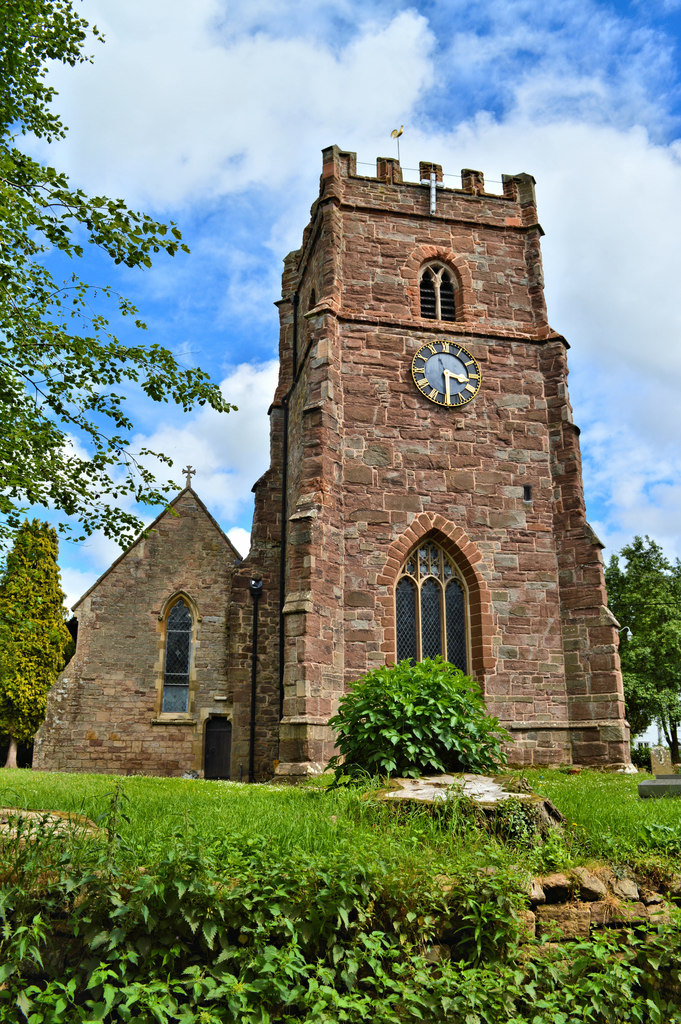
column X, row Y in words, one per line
column 446, row 373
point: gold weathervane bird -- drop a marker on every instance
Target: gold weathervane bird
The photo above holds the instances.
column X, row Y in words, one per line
column 395, row 134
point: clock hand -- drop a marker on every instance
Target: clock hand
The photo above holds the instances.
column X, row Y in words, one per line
column 448, row 375
column 461, row 378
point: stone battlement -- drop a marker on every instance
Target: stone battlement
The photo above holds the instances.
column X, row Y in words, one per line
column 338, row 163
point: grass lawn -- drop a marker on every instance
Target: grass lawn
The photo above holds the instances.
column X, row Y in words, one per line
column 212, row 902
column 608, row 820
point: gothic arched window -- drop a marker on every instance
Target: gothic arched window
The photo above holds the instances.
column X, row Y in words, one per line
column 431, row 608
column 438, row 287
column 179, row 625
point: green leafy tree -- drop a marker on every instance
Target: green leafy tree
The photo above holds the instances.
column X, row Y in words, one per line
column 644, row 593
column 62, row 369
column 407, row 720
column 33, row 634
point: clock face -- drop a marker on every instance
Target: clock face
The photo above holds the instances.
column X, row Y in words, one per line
column 446, row 373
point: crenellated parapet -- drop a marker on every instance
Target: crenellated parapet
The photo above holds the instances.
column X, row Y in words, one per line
column 340, row 166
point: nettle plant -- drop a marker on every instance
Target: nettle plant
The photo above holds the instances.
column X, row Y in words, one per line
column 414, row 719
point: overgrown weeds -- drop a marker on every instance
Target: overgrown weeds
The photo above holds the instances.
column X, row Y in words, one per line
column 210, row 925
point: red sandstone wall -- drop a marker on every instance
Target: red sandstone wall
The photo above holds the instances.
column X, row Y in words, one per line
column 374, row 467
column 600, row 734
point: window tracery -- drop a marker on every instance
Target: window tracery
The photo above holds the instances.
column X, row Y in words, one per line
column 179, row 627
column 431, row 608
column 438, row 289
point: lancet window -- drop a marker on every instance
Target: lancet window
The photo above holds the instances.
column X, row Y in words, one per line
column 438, row 289
column 431, row 607
column 179, row 626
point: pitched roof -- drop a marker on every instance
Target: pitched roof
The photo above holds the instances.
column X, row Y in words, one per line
column 149, row 528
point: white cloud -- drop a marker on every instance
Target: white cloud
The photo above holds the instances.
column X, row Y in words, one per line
column 75, row 582
column 228, row 452
column 567, row 58
column 241, row 539
column 221, row 112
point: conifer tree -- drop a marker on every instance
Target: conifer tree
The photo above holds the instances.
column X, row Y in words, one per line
column 33, row 633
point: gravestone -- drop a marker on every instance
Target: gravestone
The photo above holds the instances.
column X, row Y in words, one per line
column 666, row 781
column 661, row 761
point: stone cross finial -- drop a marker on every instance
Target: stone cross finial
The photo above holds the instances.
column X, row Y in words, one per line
column 190, row 473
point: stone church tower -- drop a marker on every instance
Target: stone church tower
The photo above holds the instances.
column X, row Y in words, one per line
column 425, row 491
column 424, row 497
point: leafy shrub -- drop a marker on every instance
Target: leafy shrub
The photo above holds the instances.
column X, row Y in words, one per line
column 515, row 821
column 225, row 932
column 410, row 720
column 640, row 756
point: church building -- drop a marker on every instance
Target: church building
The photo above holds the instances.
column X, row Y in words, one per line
column 424, row 497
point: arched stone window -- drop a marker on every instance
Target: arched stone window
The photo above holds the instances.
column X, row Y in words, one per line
column 431, row 606
column 179, row 628
column 438, row 289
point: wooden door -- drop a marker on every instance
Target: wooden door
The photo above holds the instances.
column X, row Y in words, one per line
column 218, row 748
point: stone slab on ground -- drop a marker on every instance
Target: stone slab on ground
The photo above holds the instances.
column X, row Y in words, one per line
column 14, row 821
column 485, row 791
column 663, row 785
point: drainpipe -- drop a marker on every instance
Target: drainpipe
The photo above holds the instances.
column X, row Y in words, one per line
column 282, row 552
column 255, row 589
column 284, row 500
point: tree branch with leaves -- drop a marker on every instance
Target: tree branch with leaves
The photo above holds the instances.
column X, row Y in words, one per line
column 644, row 592
column 67, row 439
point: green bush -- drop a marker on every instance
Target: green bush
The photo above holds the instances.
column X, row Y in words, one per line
column 235, row 934
column 409, row 720
column 640, row 756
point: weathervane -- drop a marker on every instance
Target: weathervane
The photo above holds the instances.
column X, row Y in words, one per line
column 190, row 473
column 395, row 134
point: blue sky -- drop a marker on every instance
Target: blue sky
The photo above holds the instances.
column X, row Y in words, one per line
column 214, row 113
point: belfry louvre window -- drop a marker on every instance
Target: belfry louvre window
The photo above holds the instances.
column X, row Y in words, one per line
column 438, row 292
column 178, row 651
column 431, row 608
